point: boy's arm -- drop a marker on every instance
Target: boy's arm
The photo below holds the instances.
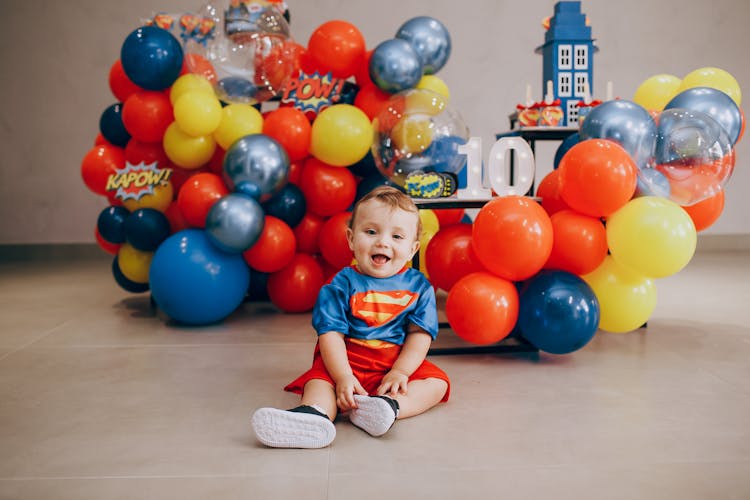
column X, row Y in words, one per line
column 333, row 352
column 413, row 352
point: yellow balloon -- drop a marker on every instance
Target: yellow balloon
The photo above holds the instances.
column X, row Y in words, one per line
column 134, row 263
column 715, row 78
column 197, row 113
column 424, row 101
column 159, row 200
column 430, row 227
column 435, row 84
column 237, row 120
column 185, row 150
column 652, row 235
column 412, row 134
column 187, row 83
column 626, row 298
column 341, row 135
column 656, row 91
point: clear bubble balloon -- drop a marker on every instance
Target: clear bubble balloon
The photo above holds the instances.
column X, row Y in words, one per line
column 416, row 133
column 249, row 48
column 694, row 153
column 714, row 103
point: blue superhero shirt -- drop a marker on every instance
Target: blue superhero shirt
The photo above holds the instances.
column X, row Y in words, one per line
column 365, row 307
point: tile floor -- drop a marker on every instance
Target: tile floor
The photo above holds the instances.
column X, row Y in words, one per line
column 100, row 398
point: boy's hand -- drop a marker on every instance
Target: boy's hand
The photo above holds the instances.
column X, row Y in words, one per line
column 394, row 383
column 345, row 391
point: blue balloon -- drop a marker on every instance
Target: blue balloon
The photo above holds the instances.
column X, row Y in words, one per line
column 288, row 205
column 565, row 146
column 111, row 224
column 235, row 223
column 626, row 123
column 443, row 152
column 146, row 229
column 558, row 312
column 237, row 89
column 151, row 57
column 364, row 167
column 258, row 289
column 111, row 126
column 194, row 282
column 125, row 283
column 395, row 66
column 715, row 104
column 369, row 183
column 430, row 39
column 259, row 160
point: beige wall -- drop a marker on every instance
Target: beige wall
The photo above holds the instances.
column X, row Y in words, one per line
column 55, row 57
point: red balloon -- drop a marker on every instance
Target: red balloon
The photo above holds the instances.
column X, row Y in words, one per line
column 216, row 163
column 549, row 191
column 295, row 172
column 198, row 195
column 333, row 243
column 362, row 74
column 98, row 164
column 580, row 243
column 371, row 100
column 307, row 233
column 291, row 128
column 482, row 308
column 707, row 211
column 110, row 248
column 512, row 237
column 337, row 47
column 119, row 83
column 176, row 221
column 295, row 288
column 449, row 255
column 147, row 114
column 328, row 190
column 181, row 175
column 450, row 216
column 100, row 140
column 146, row 152
column 274, row 249
column 597, row 177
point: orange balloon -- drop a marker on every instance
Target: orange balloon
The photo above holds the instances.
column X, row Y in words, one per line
column 307, row 233
column 291, row 128
column 328, row 190
column 337, row 47
column 549, row 191
column 580, row 243
column 706, row 212
column 295, row 288
column 199, row 193
column 371, row 100
column 449, row 256
column 333, row 243
column 512, row 237
column 482, row 308
column 274, row 249
column 597, row 176
column 98, row 164
column 450, row 216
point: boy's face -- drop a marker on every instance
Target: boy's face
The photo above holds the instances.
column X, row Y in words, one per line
column 383, row 239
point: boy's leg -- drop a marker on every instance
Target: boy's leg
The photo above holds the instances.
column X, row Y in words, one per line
column 422, row 395
column 309, row 425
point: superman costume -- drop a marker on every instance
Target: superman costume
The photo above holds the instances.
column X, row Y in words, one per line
column 374, row 315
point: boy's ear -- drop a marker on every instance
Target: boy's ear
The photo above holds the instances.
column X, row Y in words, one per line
column 350, row 238
column 414, row 249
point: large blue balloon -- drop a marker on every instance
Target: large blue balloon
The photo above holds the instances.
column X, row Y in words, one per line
column 146, row 229
column 256, row 165
column 626, row 123
column 288, row 205
column 194, row 282
column 431, row 40
column 715, row 104
column 558, row 312
column 235, row 223
column 151, row 57
column 112, row 127
column 395, row 66
column 111, row 224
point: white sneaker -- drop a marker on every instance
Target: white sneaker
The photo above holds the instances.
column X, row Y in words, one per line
column 374, row 415
column 292, row 429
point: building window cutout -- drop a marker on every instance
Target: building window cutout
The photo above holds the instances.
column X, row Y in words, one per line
column 582, row 57
column 582, row 84
column 564, row 57
column 572, row 114
column 563, row 85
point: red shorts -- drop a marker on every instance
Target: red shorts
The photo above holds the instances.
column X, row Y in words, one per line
column 369, row 365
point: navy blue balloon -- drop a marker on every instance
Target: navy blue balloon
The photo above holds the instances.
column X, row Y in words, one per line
column 364, row 167
column 431, row 40
column 565, row 146
column 258, row 289
column 288, row 205
column 395, row 66
column 235, row 223
column 146, row 229
column 369, row 183
column 348, row 93
column 259, row 160
column 125, row 283
column 715, row 104
column 626, row 123
column 151, row 57
column 111, row 224
column 111, row 126
column 558, row 312
column 194, row 282
column 443, row 152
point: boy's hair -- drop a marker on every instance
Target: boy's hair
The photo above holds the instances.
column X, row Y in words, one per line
column 391, row 197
